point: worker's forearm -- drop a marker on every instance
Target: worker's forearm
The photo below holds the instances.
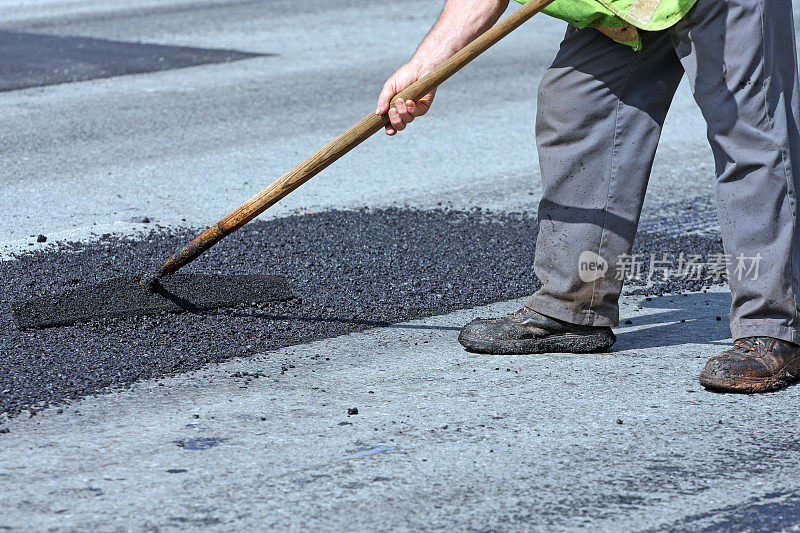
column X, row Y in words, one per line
column 459, row 24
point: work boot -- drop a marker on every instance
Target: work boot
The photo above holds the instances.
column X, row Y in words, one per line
column 526, row 331
column 753, row 364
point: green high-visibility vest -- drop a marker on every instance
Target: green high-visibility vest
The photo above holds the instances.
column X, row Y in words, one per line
column 620, row 19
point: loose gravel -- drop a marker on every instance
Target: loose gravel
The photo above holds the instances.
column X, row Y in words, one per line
column 349, row 270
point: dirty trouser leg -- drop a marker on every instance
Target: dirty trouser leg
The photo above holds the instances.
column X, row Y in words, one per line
column 600, row 112
column 740, row 59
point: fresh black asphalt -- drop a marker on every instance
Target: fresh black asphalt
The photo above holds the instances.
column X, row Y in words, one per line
column 348, row 270
column 34, row 60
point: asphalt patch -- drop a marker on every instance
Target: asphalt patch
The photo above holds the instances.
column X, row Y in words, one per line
column 35, row 60
column 348, row 270
column 199, row 443
column 773, row 512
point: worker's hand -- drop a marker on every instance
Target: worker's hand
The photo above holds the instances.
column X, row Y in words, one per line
column 403, row 112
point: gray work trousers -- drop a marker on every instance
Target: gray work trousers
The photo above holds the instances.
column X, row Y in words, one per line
column 600, row 113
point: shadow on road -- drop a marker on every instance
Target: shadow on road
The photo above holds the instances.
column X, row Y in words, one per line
column 658, row 324
column 666, row 321
column 367, row 323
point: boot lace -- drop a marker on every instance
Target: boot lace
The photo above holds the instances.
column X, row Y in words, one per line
column 748, row 344
column 521, row 312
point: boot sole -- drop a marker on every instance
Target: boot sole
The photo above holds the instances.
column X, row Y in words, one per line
column 561, row 343
column 783, row 378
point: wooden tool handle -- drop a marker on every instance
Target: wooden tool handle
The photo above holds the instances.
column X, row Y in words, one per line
column 342, row 144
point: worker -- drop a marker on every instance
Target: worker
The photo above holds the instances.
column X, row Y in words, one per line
column 601, row 107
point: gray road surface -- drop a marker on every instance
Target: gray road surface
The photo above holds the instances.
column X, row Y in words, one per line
column 187, row 146
column 443, row 440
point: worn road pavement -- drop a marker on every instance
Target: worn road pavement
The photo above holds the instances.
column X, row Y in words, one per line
column 443, row 440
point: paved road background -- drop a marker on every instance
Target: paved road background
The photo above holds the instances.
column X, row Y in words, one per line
column 443, row 440
column 187, row 146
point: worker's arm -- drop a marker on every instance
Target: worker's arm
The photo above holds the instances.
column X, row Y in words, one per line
column 459, row 24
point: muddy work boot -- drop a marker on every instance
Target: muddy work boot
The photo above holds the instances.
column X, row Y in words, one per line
column 526, row 332
column 753, row 364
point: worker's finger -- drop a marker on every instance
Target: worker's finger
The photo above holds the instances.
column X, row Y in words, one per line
column 385, row 98
column 396, row 121
column 424, row 104
column 402, row 110
column 390, row 130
